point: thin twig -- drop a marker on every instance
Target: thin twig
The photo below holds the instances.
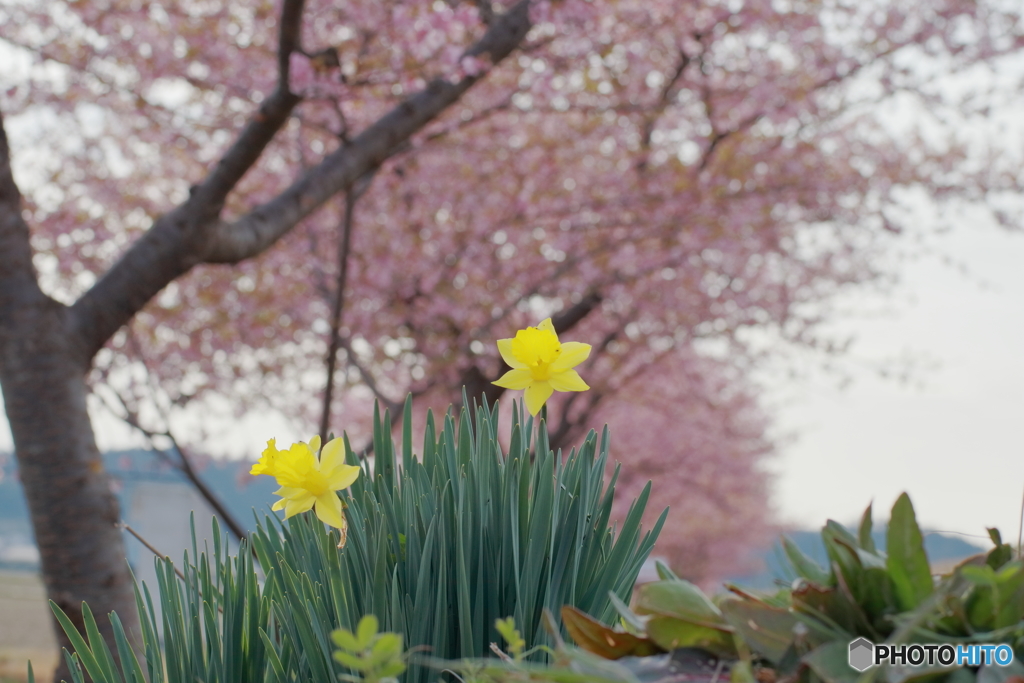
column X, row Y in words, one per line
column 149, row 546
column 182, row 463
column 339, row 298
column 501, row 655
column 368, row 378
column 1020, row 532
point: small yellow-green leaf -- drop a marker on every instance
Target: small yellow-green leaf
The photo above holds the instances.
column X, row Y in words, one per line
column 388, row 646
column 350, row 660
column 391, row 669
column 344, row 639
column 365, row 631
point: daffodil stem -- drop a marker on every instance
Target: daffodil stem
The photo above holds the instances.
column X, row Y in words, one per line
column 542, row 424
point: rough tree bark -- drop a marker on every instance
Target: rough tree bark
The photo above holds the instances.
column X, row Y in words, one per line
column 46, row 348
column 74, row 513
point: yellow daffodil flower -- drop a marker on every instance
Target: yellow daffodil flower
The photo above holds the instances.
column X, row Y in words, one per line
column 307, row 482
column 541, row 364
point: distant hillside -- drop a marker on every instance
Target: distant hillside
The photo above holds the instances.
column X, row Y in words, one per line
column 146, row 487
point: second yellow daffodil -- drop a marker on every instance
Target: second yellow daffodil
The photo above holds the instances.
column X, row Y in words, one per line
column 541, row 364
column 308, row 482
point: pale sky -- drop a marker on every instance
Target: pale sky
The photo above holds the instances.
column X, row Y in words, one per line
column 953, row 439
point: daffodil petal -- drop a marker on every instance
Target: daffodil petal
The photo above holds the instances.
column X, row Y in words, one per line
column 314, row 443
column 332, row 456
column 328, row 509
column 546, row 325
column 537, row 395
column 569, row 380
column 573, row 353
column 266, row 463
column 342, row 477
column 520, row 378
column 505, row 349
column 300, row 503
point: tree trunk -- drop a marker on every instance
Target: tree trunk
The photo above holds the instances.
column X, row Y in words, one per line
column 42, row 376
column 74, row 513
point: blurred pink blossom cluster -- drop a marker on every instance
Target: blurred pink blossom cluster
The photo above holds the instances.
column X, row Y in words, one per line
column 696, row 169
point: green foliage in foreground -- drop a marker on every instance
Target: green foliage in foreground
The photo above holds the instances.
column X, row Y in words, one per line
column 440, row 546
column 802, row 633
column 378, row 657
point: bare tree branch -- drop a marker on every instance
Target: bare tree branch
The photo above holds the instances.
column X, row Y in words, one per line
column 191, row 233
column 170, row 247
column 486, row 9
column 182, row 463
column 351, row 197
column 266, row 224
column 368, row 378
column 209, row 196
column 665, row 99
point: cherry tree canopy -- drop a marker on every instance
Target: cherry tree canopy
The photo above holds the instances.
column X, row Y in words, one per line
column 663, row 175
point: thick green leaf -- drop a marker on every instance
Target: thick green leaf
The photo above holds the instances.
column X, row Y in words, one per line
column 1010, row 607
column 867, row 541
column 593, row 636
column 664, row 571
column 1001, row 554
column 831, row 663
column 628, row 617
column 1014, row 673
column 844, row 554
column 681, row 600
column 833, row 615
column 670, row 633
column 907, row 562
column 804, row 566
column 769, row 631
